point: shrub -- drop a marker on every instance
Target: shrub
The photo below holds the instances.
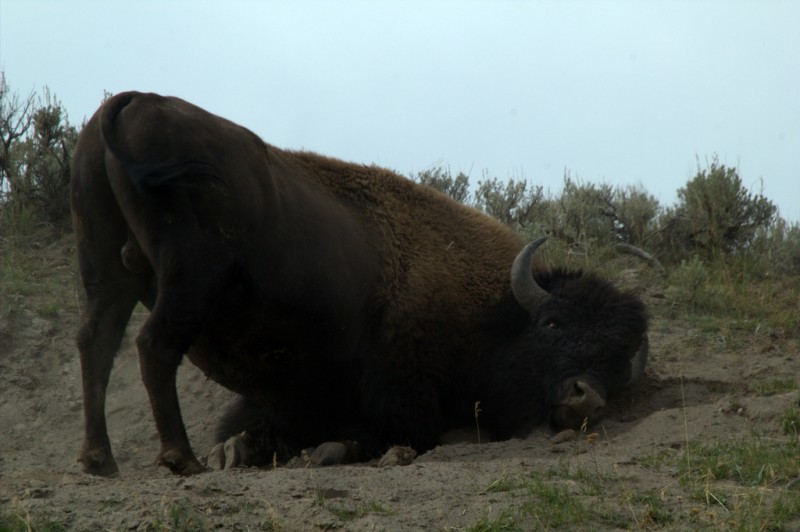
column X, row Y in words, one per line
column 715, row 215
column 691, row 280
column 586, row 214
column 777, row 247
column 513, row 202
column 16, row 117
column 40, row 171
column 442, row 180
column 36, row 144
column 636, row 214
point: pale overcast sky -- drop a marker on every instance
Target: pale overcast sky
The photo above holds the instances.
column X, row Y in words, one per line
column 622, row 92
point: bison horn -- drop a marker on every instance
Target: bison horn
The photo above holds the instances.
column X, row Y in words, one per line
column 638, row 362
column 526, row 291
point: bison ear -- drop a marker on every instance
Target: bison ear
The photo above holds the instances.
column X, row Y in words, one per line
column 526, row 290
column 638, row 362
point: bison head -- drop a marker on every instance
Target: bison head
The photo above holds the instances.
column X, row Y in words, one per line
column 559, row 348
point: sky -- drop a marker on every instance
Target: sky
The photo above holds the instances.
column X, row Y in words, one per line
column 620, row 92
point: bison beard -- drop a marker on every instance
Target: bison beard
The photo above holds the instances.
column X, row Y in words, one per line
column 344, row 303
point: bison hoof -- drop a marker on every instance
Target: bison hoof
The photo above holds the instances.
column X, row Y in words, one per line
column 216, row 457
column 398, row 455
column 180, row 463
column 236, row 451
column 335, row 453
column 98, row 461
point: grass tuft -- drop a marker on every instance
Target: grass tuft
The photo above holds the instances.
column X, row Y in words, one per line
column 772, row 386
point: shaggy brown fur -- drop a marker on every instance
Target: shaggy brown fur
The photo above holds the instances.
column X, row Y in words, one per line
column 339, row 299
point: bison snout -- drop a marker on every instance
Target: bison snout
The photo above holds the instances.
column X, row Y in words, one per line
column 581, row 402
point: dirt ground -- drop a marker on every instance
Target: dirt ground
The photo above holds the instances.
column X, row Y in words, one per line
column 696, row 389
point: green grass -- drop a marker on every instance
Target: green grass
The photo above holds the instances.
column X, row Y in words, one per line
column 38, row 273
column 791, row 423
column 507, row 482
column 505, row 521
column 587, row 481
column 352, row 510
column 177, row 517
column 17, row 520
column 739, row 484
column 769, row 387
column 656, row 510
column 721, row 290
column 747, row 484
column 544, row 501
column 553, row 505
column 752, row 462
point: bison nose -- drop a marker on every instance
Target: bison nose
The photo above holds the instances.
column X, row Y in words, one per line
column 587, row 399
column 582, row 401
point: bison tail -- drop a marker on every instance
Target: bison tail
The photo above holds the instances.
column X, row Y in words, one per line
column 179, row 171
column 108, row 118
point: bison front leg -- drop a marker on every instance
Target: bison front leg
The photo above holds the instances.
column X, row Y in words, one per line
column 158, row 362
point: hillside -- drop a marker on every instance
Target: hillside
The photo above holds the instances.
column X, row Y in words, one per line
column 709, row 439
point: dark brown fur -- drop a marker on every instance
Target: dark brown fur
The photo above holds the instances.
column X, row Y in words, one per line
column 345, row 297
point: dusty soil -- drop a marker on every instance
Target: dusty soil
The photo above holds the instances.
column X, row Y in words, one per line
column 696, row 389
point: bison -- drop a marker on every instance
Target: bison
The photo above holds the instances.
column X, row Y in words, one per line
column 342, row 302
